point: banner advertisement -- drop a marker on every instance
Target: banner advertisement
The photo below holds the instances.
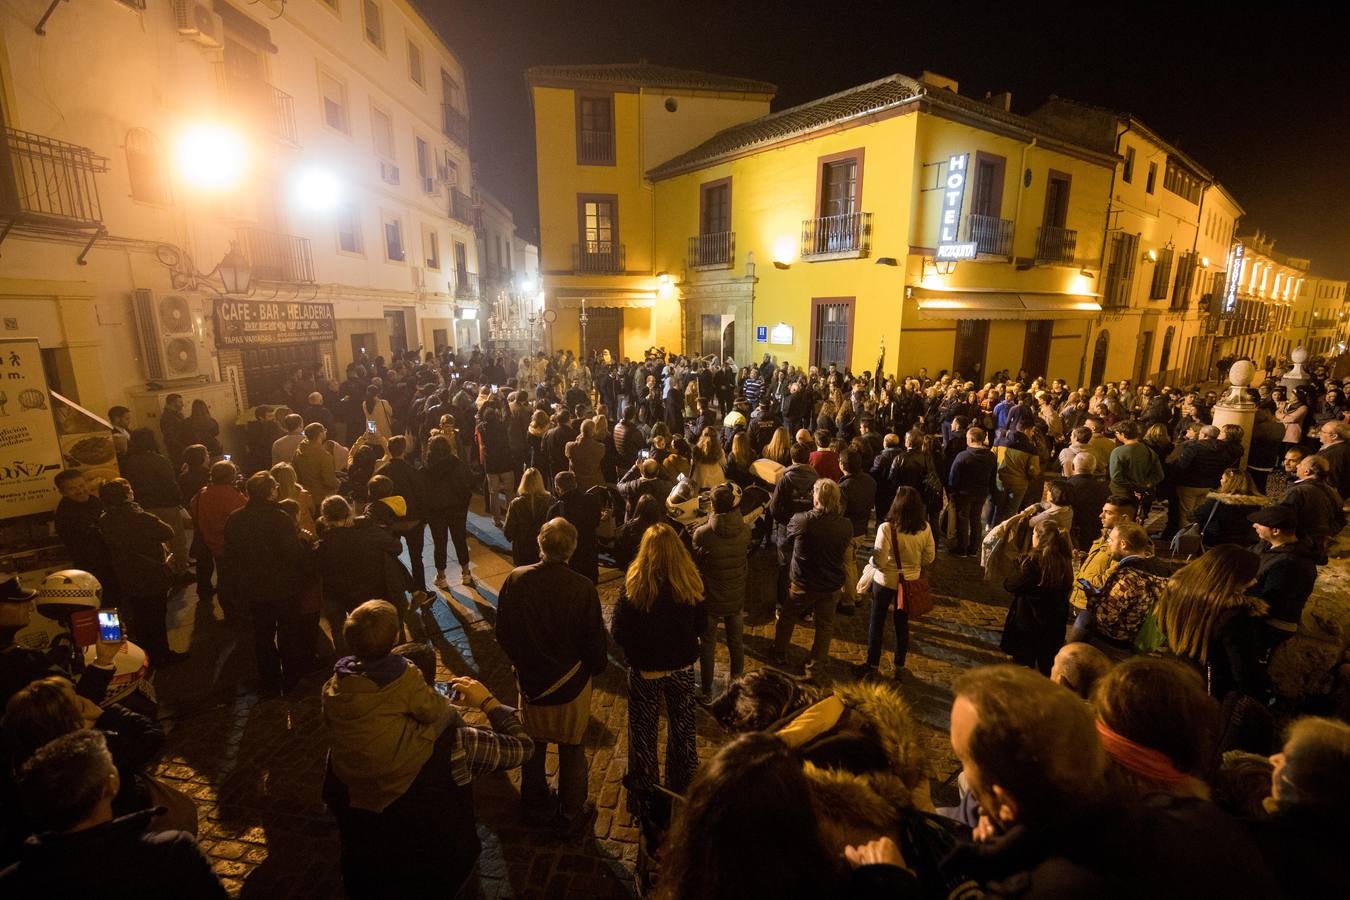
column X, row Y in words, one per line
column 30, row 454
column 267, row 323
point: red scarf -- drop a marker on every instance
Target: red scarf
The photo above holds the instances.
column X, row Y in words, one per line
column 1142, row 761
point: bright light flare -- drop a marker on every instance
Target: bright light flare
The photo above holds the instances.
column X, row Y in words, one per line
column 784, row 249
column 211, row 157
column 318, row 190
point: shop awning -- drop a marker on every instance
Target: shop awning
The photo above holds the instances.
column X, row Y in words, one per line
column 1003, row 305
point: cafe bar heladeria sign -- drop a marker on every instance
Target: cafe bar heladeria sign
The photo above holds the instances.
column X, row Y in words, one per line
column 30, row 455
column 262, row 323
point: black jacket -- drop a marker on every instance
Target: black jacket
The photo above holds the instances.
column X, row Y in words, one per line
column 153, row 479
column 792, row 493
column 628, row 440
column 860, row 494
column 583, row 511
column 548, row 619
column 1285, row 579
column 1304, row 848
column 720, row 548
column 409, row 483
column 817, row 541
column 1087, row 497
column 77, row 526
column 1201, row 463
column 353, row 563
column 448, row 485
column 973, row 472
column 525, row 515
column 660, row 639
column 1037, row 612
column 1223, row 519
column 1319, row 509
column 135, row 538
column 632, row 487
column 262, row 554
column 118, row 860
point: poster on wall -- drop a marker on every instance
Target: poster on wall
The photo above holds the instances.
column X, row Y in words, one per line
column 86, row 441
column 30, row 454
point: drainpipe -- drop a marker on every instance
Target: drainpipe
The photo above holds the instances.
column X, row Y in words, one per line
column 1021, row 188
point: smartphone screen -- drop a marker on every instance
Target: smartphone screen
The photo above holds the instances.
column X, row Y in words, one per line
column 445, row 690
column 370, row 426
column 494, row 389
column 109, row 626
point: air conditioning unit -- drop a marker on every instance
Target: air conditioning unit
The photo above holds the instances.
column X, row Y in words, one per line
column 167, row 333
column 388, row 172
column 197, row 22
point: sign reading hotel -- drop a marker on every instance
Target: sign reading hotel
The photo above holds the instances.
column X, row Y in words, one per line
column 30, row 454
column 266, row 323
column 1234, row 276
column 953, row 196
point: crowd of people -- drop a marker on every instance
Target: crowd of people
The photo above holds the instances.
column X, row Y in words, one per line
column 1116, row 756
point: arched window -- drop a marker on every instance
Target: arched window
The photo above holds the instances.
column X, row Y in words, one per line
column 145, row 168
column 1165, row 360
column 1099, row 358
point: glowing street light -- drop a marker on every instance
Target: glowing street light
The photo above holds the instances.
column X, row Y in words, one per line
column 318, row 190
column 211, row 157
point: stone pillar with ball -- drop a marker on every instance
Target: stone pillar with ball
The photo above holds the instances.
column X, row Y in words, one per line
column 1296, row 377
column 1237, row 407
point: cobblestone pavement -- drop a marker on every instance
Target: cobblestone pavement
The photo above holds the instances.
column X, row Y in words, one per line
column 255, row 766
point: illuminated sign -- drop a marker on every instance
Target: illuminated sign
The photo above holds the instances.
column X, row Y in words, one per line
column 761, row 334
column 780, row 334
column 956, row 251
column 1234, row 276
column 251, row 323
column 953, row 195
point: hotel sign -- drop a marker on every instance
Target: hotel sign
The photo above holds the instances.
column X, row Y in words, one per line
column 953, row 196
column 267, row 323
column 1234, row 276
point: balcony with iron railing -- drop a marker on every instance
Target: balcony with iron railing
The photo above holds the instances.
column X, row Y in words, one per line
column 48, row 182
column 271, row 108
column 598, row 258
column 712, row 251
column 991, row 235
column 461, row 207
column 455, row 125
column 843, row 236
column 595, row 148
column 467, row 284
column 1055, row 244
column 274, row 256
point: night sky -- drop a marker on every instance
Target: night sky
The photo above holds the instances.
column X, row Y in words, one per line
column 1262, row 101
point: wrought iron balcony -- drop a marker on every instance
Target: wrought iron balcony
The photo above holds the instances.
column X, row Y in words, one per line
column 991, row 234
column 455, row 125
column 1055, row 244
column 467, row 284
column 713, row 251
column 277, row 257
column 48, row 182
column 461, row 207
column 598, row 258
column 595, row 148
column 271, row 108
column 848, row 234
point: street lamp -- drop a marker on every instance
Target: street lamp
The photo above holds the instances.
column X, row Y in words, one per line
column 583, row 319
column 235, row 271
column 212, row 157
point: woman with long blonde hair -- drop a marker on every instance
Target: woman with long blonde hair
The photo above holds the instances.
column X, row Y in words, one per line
column 779, row 448
column 742, row 457
column 1207, row 617
column 708, row 460
column 525, row 515
column 658, row 621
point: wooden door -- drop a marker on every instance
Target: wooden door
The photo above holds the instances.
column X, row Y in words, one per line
column 972, row 343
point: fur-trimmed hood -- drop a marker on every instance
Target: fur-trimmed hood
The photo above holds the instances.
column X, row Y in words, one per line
column 862, row 757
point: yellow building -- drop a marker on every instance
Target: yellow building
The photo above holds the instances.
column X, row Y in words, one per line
column 327, row 139
column 598, row 129
column 1319, row 321
column 962, row 236
column 1256, row 309
column 1169, row 229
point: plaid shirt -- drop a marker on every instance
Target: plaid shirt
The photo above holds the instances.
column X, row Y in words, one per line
column 478, row 751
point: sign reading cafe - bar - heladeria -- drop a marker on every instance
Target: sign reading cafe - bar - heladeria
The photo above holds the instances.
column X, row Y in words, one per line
column 253, row 323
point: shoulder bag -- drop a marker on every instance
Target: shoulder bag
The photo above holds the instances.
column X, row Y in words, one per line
column 914, row 597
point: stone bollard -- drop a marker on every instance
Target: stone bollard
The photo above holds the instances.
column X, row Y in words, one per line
column 1236, row 407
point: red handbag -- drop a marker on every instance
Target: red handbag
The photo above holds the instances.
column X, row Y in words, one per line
column 914, row 597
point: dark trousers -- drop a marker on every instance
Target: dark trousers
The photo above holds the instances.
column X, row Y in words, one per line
column 278, row 645
column 455, row 522
column 206, row 567
column 572, row 779
column 822, row 605
column 645, row 696
column 415, row 539
column 735, row 624
column 148, row 625
column 968, row 525
column 883, row 600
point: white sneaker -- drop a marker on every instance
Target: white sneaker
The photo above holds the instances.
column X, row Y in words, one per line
column 441, row 581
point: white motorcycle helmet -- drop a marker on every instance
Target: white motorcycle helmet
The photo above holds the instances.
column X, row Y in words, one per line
column 68, row 591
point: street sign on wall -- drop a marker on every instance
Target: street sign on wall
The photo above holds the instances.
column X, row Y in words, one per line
column 761, row 334
column 261, row 323
column 30, row 454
